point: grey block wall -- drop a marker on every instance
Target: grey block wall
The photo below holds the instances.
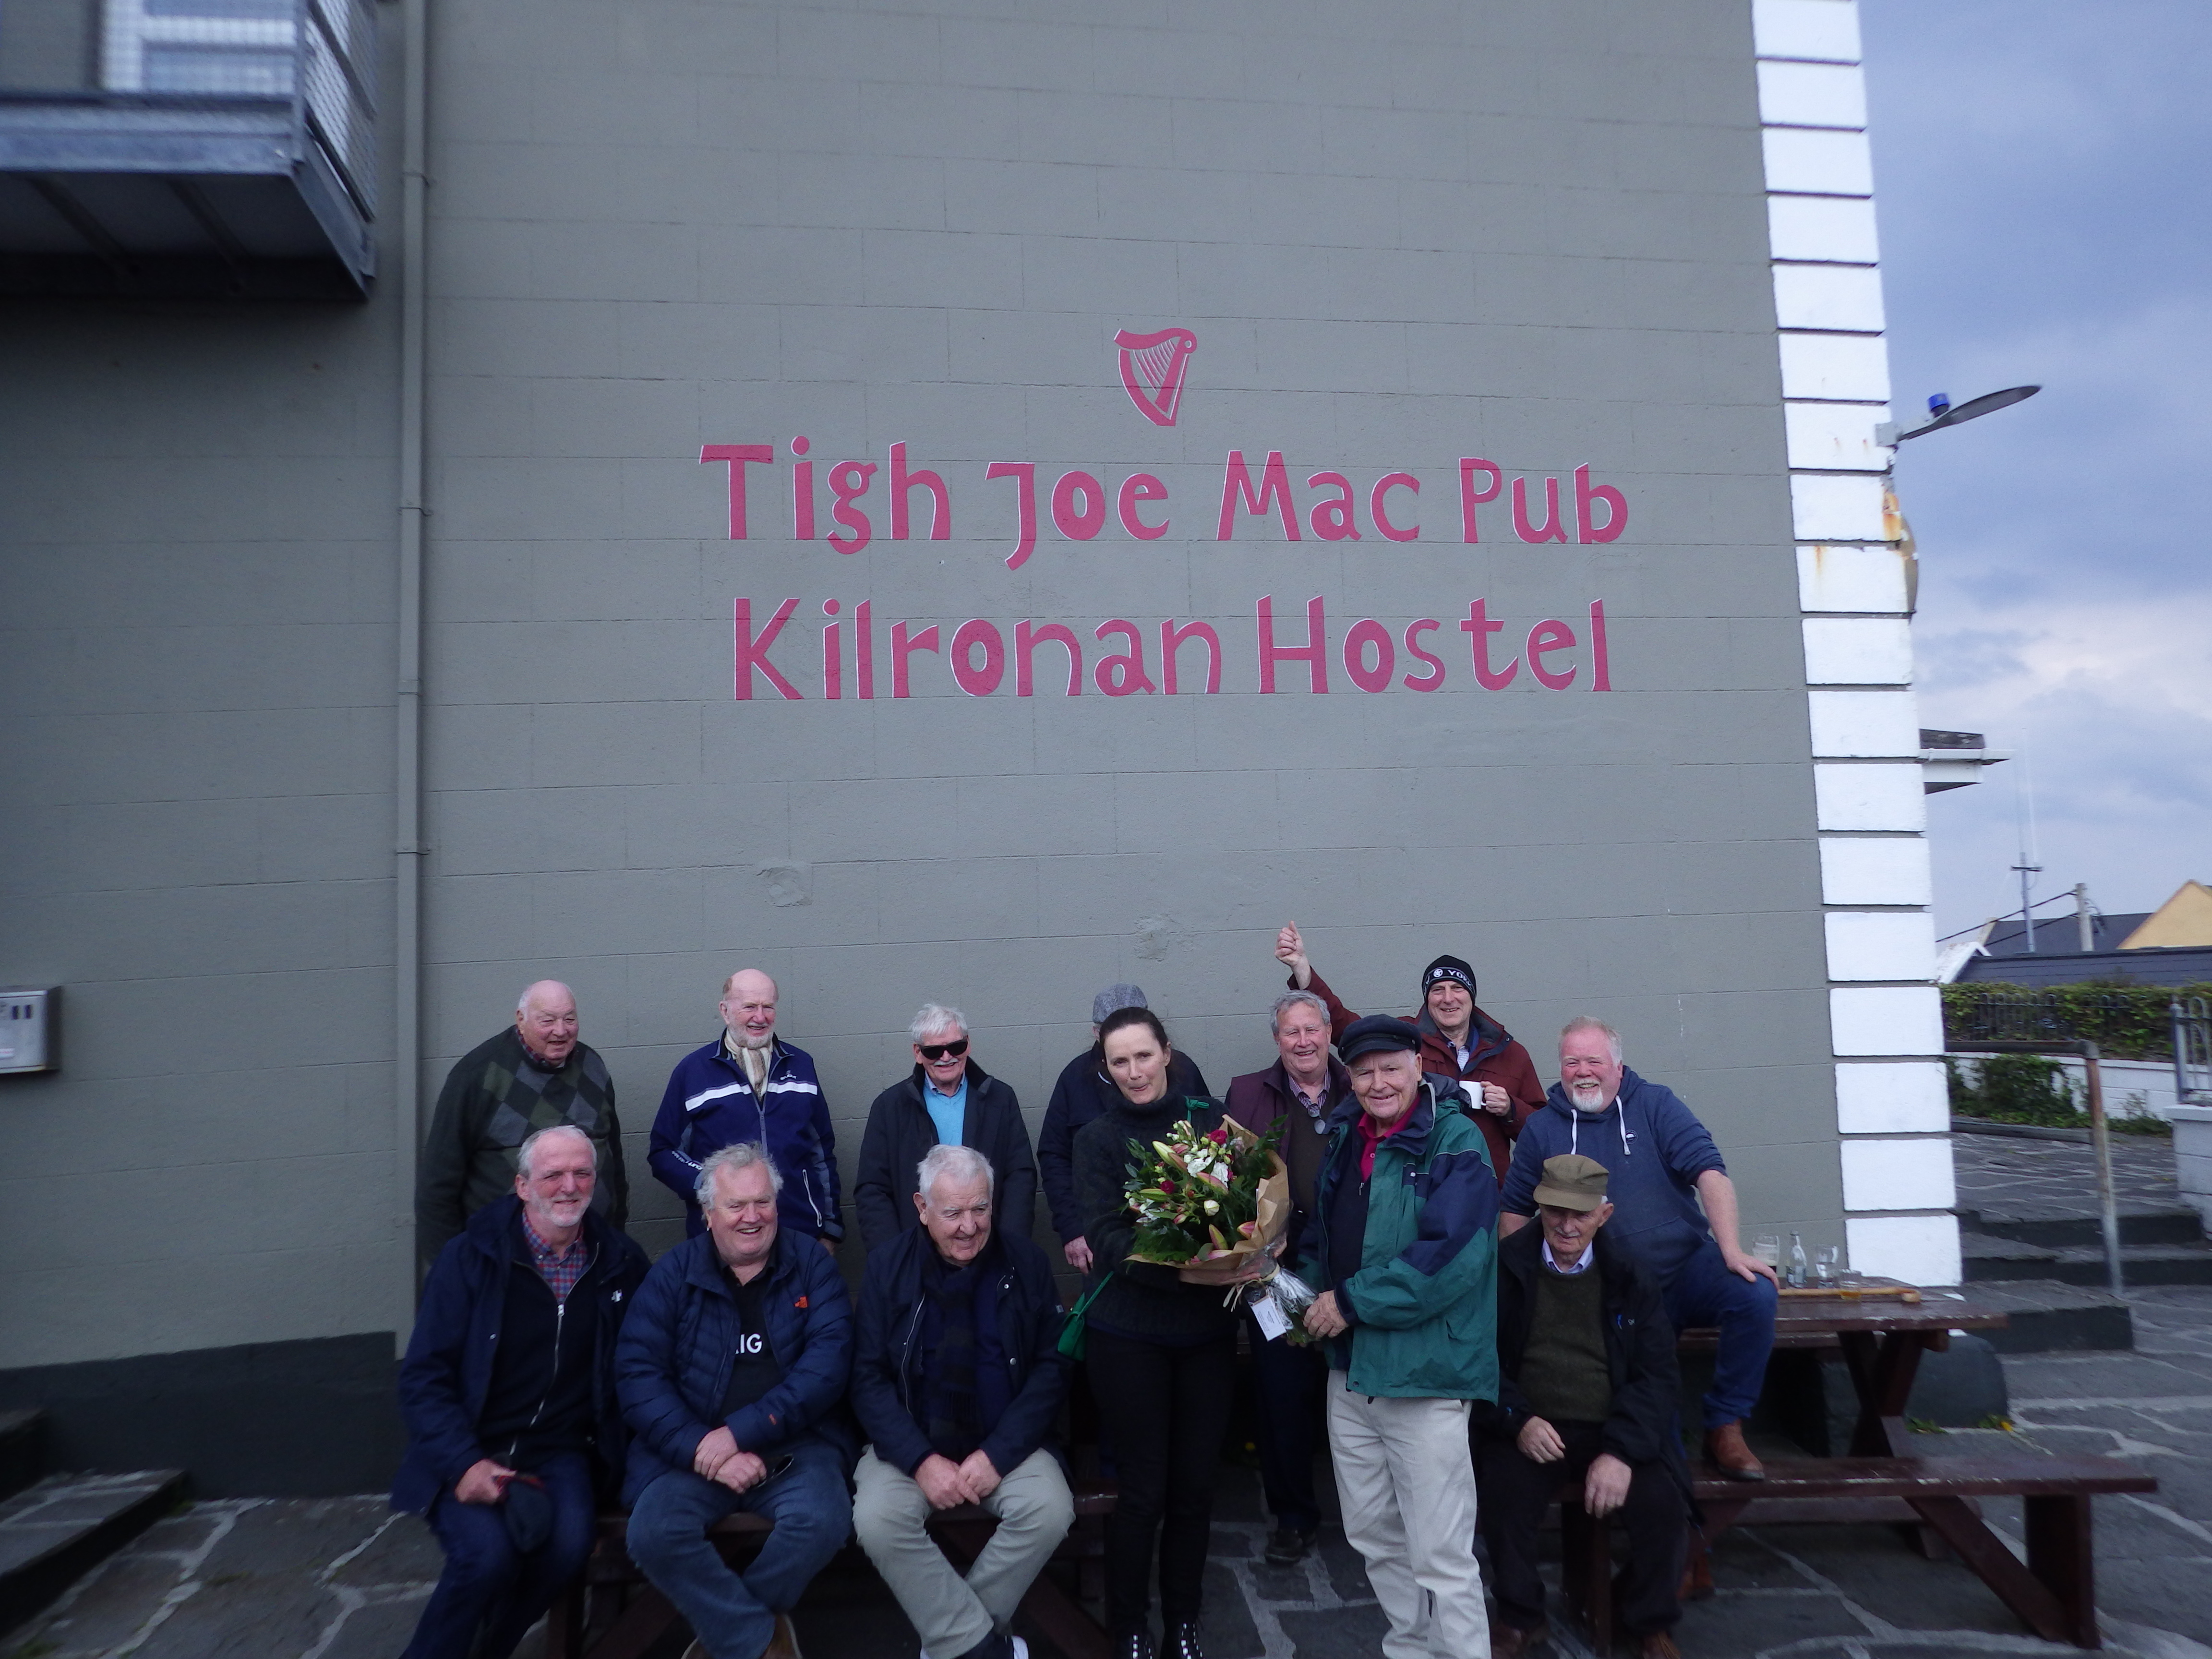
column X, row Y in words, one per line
column 1402, row 233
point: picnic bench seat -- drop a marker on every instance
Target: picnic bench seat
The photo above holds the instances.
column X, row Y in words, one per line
column 961, row 1532
column 2054, row 1594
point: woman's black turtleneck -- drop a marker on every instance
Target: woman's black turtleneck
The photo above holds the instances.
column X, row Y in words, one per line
column 1142, row 1301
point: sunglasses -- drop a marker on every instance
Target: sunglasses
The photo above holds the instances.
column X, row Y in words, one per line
column 936, row 1051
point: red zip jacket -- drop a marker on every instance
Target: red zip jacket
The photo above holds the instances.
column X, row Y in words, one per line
column 1492, row 1057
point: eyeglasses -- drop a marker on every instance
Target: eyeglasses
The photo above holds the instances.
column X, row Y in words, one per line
column 936, row 1051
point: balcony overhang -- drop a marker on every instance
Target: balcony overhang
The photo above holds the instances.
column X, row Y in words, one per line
column 142, row 194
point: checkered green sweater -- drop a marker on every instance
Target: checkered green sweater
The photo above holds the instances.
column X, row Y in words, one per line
column 495, row 1097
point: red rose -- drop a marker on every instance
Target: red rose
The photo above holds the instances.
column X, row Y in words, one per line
column 1220, row 1137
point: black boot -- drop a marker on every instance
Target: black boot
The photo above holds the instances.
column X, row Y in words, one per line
column 1182, row 1640
column 1136, row 1644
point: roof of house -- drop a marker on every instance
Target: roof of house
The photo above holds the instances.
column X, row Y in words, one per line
column 2060, row 934
column 2191, row 966
column 2183, row 921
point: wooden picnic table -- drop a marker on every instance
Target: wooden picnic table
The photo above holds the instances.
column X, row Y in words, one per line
column 1882, row 1336
column 1882, row 1328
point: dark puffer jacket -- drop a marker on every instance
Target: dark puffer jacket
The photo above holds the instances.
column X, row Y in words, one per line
column 672, row 1365
column 888, row 1366
column 447, row 1373
column 901, row 1130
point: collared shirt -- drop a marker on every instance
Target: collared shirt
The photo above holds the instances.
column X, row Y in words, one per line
column 1316, row 1103
column 550, row 1067
column 1370, row 1138
column 560, row 1269
column 948, row 1112
column 1582, row 1261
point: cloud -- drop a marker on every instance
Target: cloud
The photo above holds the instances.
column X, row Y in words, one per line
column 2045, row 217
column 2104, row 703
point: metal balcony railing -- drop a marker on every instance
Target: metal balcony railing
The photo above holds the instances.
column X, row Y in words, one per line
column 188, row 146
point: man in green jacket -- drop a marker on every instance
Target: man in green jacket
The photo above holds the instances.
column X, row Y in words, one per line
column 1404, row 1236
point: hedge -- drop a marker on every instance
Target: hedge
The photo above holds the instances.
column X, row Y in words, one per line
column 2126, row 1021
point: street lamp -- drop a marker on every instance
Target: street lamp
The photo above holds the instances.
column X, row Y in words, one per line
column 1943, row 413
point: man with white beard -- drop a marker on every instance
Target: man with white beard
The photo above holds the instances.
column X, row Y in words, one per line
column 507, row 1391
column 1663, row 1167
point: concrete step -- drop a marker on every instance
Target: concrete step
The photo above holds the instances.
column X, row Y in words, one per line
column 22, row 1449
column 1990, row 1260
column 2139, row 1223
column 55, row 1532
column 2052, row 1316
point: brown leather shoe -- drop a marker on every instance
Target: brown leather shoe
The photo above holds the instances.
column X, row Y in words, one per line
column 1507, row 1642
column 1658, row 1645
column 1726, row 1451
column 1697, row 1584
column 784, row 1644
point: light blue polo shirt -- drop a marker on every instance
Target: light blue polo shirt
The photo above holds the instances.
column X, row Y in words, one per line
column 948, row 1112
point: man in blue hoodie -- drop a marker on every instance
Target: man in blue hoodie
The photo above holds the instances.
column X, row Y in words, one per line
column 1664, row 1167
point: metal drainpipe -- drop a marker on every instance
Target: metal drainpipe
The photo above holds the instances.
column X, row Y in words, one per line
column 407, row 941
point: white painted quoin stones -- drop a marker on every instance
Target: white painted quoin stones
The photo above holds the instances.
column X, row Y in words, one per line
column 1892, row 1106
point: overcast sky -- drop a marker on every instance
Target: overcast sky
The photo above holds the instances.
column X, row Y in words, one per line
column 2041, row 179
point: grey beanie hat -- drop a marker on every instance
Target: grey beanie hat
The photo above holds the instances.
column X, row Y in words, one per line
column 1115, row 998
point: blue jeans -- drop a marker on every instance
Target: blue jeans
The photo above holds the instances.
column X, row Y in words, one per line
column 732, row 1613
column 487, row 1585
column 1703, row 1292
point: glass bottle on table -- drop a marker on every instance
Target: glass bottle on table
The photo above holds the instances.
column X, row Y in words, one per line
column 1796, row 1263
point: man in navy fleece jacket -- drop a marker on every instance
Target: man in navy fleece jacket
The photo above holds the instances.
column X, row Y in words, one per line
column 1664, row 1167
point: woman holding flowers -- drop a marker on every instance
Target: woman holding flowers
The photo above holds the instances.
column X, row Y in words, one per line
column 1161, row 1348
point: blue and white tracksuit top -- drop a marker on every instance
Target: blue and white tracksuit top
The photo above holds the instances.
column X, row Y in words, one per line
column 1653, row 1148
column 710, row 1104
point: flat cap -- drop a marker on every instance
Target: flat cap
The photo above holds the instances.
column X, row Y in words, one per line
column 1114, row 999
column 1375, row 1034
column 1571, row 1182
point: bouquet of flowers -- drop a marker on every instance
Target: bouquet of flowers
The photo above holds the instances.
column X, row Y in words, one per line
column 1202, row 1197
column 1215, row 1199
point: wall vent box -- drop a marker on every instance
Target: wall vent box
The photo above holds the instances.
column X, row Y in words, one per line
column 29, row 1031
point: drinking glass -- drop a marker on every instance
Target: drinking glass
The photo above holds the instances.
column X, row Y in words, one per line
column 1767, row 1247
column 1828, row 1263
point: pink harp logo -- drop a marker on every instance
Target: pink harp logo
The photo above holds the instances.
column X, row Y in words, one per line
column 1151, row 370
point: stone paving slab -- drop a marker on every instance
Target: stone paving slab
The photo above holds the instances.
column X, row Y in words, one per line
column 2053, row 1180
column 341, row 1579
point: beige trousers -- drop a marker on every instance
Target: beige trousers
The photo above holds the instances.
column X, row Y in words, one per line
column 951, row 1614
column 1406, row 1484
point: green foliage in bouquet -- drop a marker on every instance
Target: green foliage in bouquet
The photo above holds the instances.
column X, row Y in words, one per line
column 1197, row 1192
